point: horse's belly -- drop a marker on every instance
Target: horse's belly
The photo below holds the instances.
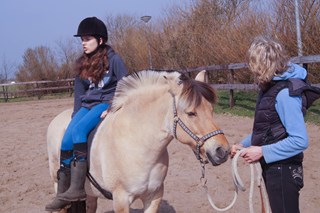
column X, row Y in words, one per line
column 119, row 168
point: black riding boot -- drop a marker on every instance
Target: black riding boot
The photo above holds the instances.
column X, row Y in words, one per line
column 76, row 190
column 63, row 176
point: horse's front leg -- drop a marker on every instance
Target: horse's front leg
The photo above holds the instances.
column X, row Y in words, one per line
column 121, row 202
column 152, row 204
column 92, row 204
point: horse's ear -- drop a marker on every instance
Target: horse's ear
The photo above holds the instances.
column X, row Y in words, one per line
column 174, row 82
column 201, row 76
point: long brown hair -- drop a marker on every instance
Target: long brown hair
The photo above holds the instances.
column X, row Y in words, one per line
column 93, row 65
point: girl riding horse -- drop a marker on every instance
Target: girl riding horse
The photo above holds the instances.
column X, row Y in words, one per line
column 99, row 70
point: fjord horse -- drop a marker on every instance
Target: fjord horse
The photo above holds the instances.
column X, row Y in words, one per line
column 129, row 156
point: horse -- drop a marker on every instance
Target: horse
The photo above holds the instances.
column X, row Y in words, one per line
column 128, row 155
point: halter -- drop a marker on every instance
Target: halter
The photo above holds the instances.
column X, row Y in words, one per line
column 200, row 141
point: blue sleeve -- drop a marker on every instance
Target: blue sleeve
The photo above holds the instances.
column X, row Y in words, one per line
column 79, row 90
column 291, row 116
column 119, row 68
column 246, row 142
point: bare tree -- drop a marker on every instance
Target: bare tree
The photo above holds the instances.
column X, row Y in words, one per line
column 127, row 37
column 38, row 64
column 6, row 70
column 202, row 33
column 68, row 52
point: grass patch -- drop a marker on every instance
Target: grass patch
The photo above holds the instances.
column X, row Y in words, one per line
column 32, row 98
column 313, row 113
column 245, row 103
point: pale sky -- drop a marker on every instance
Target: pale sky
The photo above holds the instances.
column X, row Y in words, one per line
column 31, row 23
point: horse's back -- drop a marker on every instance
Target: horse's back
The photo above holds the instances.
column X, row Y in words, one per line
column 55, row 133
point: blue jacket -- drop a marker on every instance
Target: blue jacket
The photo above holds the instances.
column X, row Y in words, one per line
column 87, row 94
column 289, row 109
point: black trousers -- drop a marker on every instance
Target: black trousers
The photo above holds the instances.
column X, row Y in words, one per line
column 283, row 183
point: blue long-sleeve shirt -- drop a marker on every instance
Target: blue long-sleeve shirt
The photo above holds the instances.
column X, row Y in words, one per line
column 291, row 116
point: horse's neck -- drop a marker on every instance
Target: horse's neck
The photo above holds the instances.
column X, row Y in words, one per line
column 144, row 123
column 136, row 133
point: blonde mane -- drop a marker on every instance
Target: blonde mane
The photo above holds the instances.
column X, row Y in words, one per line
column 140, row 82
column 143, row 82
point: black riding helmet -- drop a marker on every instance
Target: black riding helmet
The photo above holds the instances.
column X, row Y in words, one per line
column 92, row 26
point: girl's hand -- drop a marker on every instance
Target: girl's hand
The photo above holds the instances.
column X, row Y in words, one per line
column 104, row 114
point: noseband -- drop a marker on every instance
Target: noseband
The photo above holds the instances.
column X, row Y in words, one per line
column 200, row 141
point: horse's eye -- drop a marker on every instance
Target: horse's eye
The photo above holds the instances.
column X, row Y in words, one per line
column 191, row 114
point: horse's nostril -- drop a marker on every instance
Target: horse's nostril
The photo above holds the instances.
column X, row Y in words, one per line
column 217, row 156
column 220, row 152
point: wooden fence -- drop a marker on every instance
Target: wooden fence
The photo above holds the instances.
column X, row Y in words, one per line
column 40, row 88
column 35, row 88
column 231, row 86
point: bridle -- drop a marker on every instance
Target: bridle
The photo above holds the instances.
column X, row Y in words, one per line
column 200, row 141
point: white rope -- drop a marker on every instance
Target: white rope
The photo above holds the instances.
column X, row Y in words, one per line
column 260, row 183
column 262, row 187
column 217, row 208
column 239, row 185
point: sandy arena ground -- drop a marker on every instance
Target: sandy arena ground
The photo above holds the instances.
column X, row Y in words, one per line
column 25, row 184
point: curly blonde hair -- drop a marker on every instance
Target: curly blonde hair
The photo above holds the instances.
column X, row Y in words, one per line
column 266, row 59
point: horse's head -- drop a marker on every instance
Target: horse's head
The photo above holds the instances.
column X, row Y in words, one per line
column 192, row 100
column 194, row 122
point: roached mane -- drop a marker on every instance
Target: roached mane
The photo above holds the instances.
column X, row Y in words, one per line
column 192, row 92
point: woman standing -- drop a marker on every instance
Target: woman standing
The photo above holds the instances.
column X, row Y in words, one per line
column 98, row 71
column 279, row 134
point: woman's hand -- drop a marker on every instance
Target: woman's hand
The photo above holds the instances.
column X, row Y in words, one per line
column 252, row 154
column 234, row 149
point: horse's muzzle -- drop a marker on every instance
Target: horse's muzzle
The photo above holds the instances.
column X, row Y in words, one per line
column 218, row 155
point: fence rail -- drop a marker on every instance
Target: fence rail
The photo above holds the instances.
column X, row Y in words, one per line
column 303, row 60
column 35, row 88
column 40, row 88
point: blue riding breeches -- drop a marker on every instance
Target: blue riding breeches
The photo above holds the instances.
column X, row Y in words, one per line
column 82, row 123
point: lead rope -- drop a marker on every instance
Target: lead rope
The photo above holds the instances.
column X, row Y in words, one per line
column 260, row 183
column 203, row 181
column 239, row 185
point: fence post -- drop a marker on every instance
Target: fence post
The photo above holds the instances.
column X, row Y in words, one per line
column 305, row 66
column 38, row 91
column 70, row 83
column 5, row 93
column 206, row 77
column 231, row 94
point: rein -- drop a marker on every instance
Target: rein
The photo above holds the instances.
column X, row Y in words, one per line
column 200, row 141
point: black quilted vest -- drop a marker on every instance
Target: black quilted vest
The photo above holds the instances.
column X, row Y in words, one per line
column 267, row 128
